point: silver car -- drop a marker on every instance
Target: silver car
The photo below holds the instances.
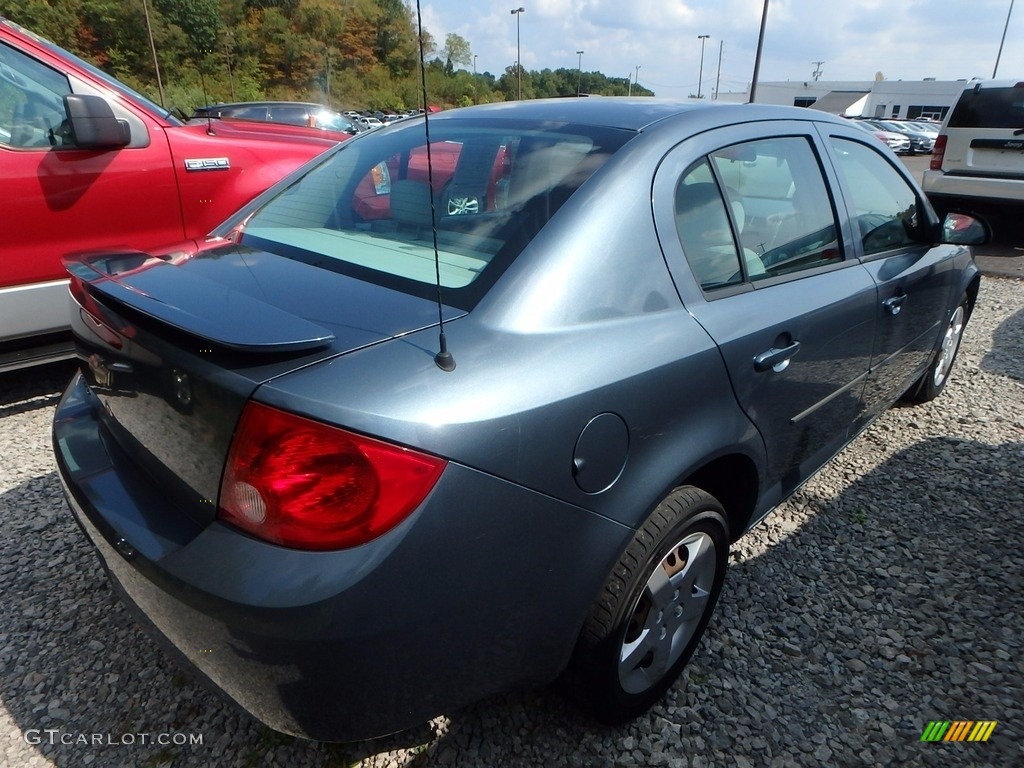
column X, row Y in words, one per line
column 433, row 420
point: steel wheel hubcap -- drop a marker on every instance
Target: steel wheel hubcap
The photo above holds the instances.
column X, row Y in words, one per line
column 950, row 343
column 667, row 613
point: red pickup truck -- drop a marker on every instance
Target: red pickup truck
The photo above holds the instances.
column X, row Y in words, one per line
column 85, row 162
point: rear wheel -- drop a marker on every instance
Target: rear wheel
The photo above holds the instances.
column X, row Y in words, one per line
column 653, row 608
column 931, row 384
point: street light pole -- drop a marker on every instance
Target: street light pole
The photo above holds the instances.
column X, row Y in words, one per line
column 700, row 76
column 1003, row 40
column 579, row 71
column 519, row 61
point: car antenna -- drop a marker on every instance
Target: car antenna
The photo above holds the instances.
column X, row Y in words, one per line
column 443, row 358
column 206, row 100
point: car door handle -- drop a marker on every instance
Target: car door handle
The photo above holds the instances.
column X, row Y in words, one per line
column 776, row 359
column 895, row 304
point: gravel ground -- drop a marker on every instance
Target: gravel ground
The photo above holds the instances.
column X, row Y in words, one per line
column 884, row 595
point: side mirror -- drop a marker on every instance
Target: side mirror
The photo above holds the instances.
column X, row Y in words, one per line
column 961, row 229
column 92, row 124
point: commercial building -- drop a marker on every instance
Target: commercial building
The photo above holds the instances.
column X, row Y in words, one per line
column 909, row 99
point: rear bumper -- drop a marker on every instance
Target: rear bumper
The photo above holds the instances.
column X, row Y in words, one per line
column 996, row 201
column 473, row 594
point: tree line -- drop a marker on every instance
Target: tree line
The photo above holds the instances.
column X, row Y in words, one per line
column 350, row 54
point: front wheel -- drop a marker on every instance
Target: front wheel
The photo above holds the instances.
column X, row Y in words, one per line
column 653, row 609
column 931, row 384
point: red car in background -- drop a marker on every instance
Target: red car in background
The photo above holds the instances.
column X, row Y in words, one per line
column 85, row 162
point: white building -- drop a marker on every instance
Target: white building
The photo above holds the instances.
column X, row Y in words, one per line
column 909, row 99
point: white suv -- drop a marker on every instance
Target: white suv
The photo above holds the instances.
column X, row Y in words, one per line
column 978, row 163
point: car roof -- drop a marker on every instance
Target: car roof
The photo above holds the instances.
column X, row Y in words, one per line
column 235, row 104
column 628, row 113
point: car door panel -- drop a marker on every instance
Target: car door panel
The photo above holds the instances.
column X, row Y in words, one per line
column 57, row 194
column 796, row 332
column 914, row 289
column 818, row 342
column 915, row 280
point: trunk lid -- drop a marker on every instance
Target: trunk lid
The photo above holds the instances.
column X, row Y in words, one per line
column 172, row 348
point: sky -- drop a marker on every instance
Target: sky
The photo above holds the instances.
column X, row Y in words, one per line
column 853, row 39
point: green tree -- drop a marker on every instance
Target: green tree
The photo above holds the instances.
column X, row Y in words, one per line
column 55, row 21
column 199, row 20
column 352, row 53
column 456, row 51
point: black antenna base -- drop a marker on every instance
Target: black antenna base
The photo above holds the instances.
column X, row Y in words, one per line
column 443, row 358
column 445, row 361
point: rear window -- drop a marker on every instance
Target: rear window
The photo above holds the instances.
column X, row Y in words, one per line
column 374, row 208
column 989, row 108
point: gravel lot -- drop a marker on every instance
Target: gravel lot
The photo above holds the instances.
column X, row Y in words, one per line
column 886, row 594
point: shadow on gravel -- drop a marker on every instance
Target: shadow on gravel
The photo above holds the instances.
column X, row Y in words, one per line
column 897, row 602
column 1007, row 348
column 33, row 388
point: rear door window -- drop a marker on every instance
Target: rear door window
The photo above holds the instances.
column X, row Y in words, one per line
column 756, row 210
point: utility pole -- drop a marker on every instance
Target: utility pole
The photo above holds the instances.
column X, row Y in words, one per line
column 579, row 71
column 152, row 47
column 718, row 77
column 757, row 56
column 817, row 70
column 1003, row 40
column 700, row 75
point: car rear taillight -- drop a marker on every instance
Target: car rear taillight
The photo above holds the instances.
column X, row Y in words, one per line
column 937, row 152
column 302, row 484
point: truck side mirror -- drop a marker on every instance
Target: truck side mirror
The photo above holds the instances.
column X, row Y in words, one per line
column 92, row 123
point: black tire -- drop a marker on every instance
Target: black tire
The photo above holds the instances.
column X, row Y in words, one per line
column 636, row 640
column 931, row 384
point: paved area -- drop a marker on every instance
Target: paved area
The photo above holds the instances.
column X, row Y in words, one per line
column 996, row 261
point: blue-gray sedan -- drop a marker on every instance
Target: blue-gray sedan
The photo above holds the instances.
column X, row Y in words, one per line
column 436, row 417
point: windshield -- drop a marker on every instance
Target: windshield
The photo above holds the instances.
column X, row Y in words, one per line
column 368, row 208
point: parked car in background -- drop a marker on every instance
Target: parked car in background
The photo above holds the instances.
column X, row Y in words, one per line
column 921, row 142
column 87, row 162
column 352, row 518
column 897, row 142
column 931, row 129
column 369, row 123
column 978, row 165
column 289, row 112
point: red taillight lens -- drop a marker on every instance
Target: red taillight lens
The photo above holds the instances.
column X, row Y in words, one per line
column 937, row 152
column 296, row 482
